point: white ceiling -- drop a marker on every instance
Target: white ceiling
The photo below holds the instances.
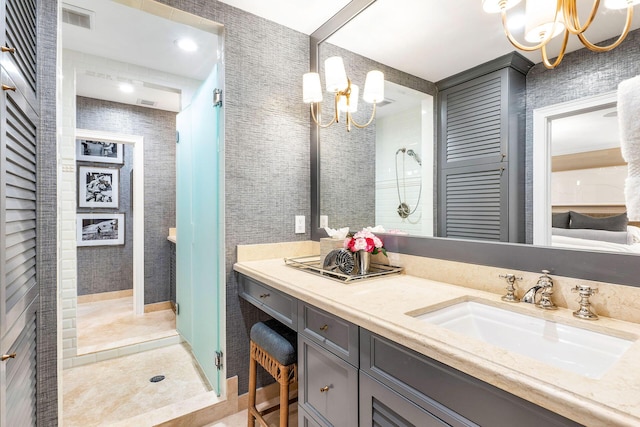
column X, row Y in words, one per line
column 589, row 131
column 432, row 39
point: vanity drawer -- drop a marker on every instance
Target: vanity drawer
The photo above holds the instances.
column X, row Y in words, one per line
column 273, row 302
column 329, row 385
column 453, row 396
column 331, row 332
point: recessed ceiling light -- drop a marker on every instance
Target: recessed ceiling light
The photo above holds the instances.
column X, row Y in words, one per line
column 126, row 87
column 187, row 45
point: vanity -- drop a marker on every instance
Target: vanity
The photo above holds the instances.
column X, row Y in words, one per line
column 365, row 353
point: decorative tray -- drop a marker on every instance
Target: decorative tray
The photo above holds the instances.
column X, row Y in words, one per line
column 313, row 264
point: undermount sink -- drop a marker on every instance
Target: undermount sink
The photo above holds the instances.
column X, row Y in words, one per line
column 574, row 349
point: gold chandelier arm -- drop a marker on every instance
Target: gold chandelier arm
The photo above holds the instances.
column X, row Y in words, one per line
column 625, row 31
column 318, row 122
column 572, row 20
column 359, row 126
column 563, row 48
column 519, row 45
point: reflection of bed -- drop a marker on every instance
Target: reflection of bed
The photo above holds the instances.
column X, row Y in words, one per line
column 594, row 245
column 596, row 234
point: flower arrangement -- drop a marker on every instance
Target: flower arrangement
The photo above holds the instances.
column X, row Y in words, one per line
column 366, row 241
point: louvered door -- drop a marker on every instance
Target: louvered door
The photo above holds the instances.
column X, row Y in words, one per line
column 18, row 285
column 481, row 146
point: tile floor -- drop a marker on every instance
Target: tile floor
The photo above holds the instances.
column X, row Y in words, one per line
column 113, row 390
column 108, row 324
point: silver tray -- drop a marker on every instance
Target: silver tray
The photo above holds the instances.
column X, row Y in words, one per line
column 312, row 264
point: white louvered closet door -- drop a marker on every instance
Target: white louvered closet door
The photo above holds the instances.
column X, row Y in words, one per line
column 18, row 174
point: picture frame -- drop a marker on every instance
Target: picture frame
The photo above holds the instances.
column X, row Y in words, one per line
column 98, row 187
column 99, row 151
column 97, row 229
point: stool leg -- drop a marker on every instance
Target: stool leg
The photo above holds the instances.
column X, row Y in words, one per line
column 252, row 389
column 284, row 397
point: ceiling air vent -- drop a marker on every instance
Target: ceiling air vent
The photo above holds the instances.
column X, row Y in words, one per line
column 77, row 16
column 146, row 103
column 385, row 101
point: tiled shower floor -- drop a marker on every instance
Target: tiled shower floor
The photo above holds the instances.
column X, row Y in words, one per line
column 108, row 324
column 103, row 393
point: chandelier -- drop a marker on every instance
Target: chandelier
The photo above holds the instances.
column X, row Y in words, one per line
column 546, row 19
column 345, row 93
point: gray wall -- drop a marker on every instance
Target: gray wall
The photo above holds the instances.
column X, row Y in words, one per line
column 581, row 73
column 46, row 256
column 267, row 148
column 110, row 268
column 353, row 154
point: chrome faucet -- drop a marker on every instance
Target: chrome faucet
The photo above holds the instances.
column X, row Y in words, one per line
column 544, row 284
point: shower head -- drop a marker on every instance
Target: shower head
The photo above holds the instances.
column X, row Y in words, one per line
column 415, row 155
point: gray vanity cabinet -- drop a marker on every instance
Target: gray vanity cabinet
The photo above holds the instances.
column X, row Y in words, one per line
column 328, row 368
column 481, row 152
column 446, row 394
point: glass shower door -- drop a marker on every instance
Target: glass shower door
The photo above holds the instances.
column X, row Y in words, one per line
column 200, row 229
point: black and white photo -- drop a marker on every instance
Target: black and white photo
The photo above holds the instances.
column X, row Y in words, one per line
column 98, row 187
column 100, row 229
column 99, row 151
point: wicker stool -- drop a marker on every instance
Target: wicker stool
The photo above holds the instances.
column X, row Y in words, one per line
column 274, row 347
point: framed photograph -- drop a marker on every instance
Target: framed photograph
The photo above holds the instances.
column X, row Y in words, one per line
column 98, row 187
column 100, row 229
column 99, row 151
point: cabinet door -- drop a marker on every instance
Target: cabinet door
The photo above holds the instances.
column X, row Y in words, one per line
column 474, row 202
column 382, row 407
column 18, row 130
column 18, row 374
column 329, row 385
column 19, row 35
column 473, row 121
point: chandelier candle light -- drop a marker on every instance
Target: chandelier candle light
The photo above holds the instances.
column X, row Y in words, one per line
column 345, row 93
column 546, row 19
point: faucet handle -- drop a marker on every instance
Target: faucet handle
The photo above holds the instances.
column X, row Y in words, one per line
column 510, row 296
column 546, row 283
column 584, row 312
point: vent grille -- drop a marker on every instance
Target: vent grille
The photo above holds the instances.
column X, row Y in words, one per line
column 146, row 103
column 77, row 17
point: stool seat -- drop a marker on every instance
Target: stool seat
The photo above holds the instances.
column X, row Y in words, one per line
column 275, row 348
column 277, row 340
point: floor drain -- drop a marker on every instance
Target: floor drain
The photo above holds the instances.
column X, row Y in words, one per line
column 157, row 378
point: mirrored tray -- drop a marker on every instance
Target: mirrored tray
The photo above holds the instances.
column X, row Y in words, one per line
column 312, row 264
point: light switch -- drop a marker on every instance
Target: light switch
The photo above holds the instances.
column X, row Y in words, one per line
column 299, row 224
column 324, row 221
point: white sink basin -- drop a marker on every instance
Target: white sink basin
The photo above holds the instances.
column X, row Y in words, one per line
column 567, row 347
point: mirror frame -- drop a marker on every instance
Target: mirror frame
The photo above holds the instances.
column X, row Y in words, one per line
column 617, row 268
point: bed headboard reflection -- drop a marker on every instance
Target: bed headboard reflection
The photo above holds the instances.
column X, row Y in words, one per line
column 596, row 211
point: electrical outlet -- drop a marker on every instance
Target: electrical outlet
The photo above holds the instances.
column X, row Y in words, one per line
column 324, row 221
column 299, row 224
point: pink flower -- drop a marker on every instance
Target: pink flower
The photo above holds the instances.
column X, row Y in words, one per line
column 364, row 241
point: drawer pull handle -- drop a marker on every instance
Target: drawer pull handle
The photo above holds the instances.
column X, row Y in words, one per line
column 265, row 295
column 8, row 356
column 324, row 328
column 5, row 87
column 325, row 388
column 11, row 50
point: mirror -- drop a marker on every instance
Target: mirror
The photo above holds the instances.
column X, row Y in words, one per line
column 378, row 193
column 583, row 76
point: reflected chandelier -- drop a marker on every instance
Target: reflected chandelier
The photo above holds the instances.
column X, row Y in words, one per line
column 546, row 19
column 345, row 93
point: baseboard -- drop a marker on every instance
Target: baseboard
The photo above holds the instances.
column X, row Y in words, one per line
column 157, row 306
column 103, row 296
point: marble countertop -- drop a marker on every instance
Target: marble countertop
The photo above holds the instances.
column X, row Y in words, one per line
column 380, row 305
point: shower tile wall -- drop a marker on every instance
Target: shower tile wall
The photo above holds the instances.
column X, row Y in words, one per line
column 581, row 74
column 110, row 268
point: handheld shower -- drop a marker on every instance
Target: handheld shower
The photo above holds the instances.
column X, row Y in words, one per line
column 415, row 155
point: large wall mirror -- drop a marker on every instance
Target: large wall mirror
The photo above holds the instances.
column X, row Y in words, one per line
column 399, row 169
